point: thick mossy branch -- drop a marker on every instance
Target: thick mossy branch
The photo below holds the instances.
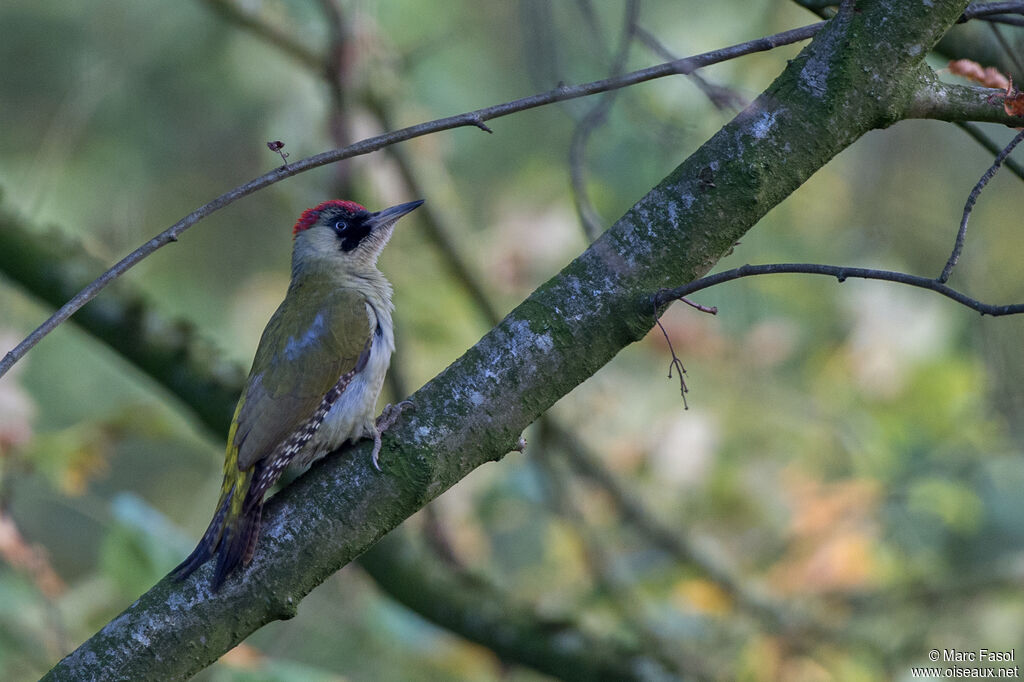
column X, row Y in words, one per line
column 856, row 75
column 942, row 101
column 464, row 603
column 54, row 267
column 46, row 263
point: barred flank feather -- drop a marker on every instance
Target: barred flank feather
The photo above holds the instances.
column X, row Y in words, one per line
column 234, row 530
column 286, row 451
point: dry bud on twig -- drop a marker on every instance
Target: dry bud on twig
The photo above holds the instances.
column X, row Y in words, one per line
column 991, row 77
column 278, row 146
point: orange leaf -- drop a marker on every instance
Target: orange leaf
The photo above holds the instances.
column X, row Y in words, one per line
column 989, row 77
column 1013, row 103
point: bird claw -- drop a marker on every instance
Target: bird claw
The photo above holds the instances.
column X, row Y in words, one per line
column 388, row 416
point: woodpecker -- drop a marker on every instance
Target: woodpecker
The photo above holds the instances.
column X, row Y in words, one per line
column 318, row 371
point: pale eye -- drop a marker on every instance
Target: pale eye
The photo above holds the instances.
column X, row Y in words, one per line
column 340, row 226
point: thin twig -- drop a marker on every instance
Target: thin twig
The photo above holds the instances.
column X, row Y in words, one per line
column 985, row 141
column 589, row 218
column 335, row 71
column 681, row 544
column 428, row 215
column 721, row 97
column 605, row 574
column 1011, row 53
column 841, row 273
column 435, row 227
column 372, row 144
column 709, row 309
column 1006, row 19
column 675, row 362
column 238, row 13
column 961, row 234
column 987, row 9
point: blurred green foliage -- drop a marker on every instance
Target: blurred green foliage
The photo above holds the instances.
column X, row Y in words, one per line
column 854, row 446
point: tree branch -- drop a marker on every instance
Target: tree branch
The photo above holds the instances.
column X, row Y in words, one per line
column 985, row 141
column 683, row 547
column 465, row 604
column 954, row 103
column 961, row 233
column 473, row 412
column 595, row 117
column 472, row 118
column 675, row 542
column 238, row 14
column 936, row 99
column 173, row 355
column 978, row 10
column 53, row 266
column 841, row 273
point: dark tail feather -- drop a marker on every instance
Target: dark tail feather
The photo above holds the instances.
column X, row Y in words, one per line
column 232, row 533
column 250, row 549
column 208, row 544
column 239, row 541
column 237, row 546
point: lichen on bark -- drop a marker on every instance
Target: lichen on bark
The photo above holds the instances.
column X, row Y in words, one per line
column 829, row 96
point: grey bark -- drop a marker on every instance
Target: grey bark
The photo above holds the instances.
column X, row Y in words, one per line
column 861, row 72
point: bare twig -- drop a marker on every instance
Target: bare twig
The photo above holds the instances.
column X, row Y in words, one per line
column 841, row 273
column 607, row 577
column 1011, row 53
column 597, row 115
column 681, row 544
column 979, row 10
column 251, row 21
column 1007, row 19
column 335, row 70
column 721, row 97
column 434, row 224
column 969, row 206
column 985, row 141
column 371, row 144
column 675, row 363
column 709, row 309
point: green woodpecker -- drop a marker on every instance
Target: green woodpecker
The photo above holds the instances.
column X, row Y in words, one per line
column 318, row 372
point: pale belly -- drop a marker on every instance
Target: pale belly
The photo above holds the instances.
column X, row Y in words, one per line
column 352, row 416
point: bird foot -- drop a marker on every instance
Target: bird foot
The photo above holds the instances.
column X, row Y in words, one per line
column 385, row 421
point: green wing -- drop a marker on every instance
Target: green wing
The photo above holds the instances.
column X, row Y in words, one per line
column 316, row 335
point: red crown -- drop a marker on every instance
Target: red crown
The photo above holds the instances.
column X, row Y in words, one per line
column 311, row 215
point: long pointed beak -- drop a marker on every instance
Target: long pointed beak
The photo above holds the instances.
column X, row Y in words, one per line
column 390, row 215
